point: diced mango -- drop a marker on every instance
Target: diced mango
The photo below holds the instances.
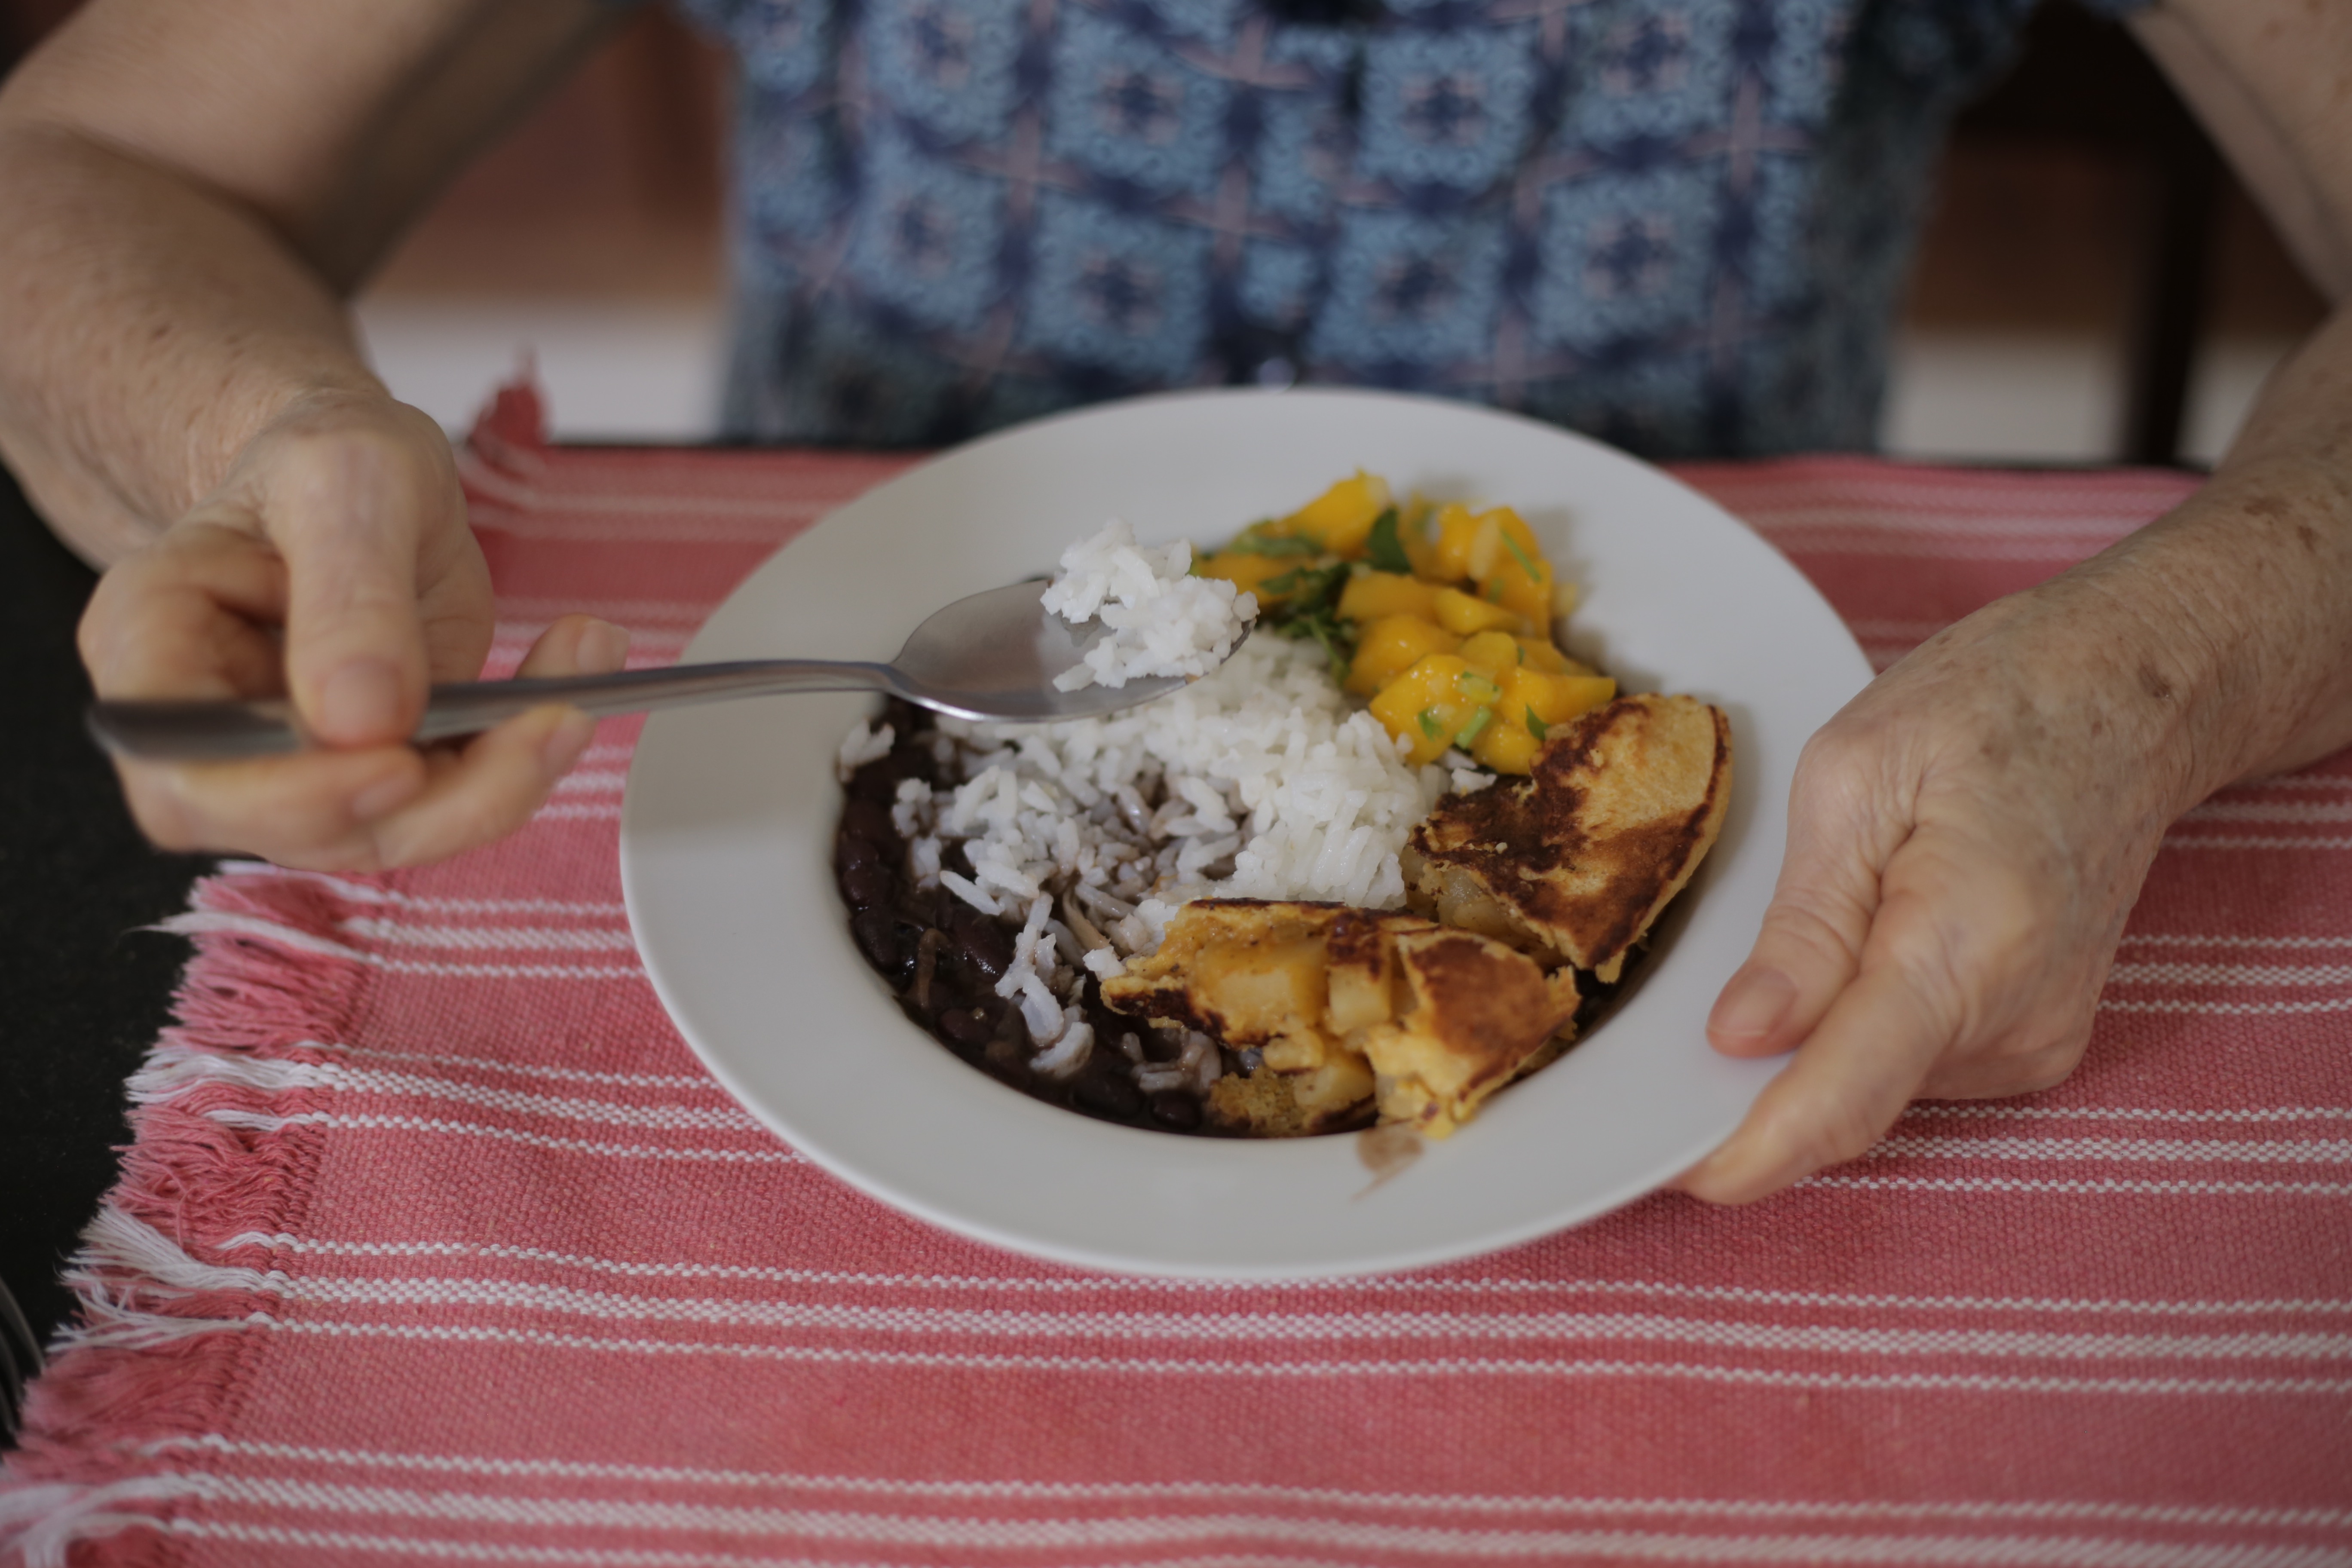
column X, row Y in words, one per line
column 1342, row 516
column 1537, row 654
column 1246, row 571
column 1492, row 654
column 1507, row 748
column 1392, row 645
column 1436, row 702
column 1416, row 530
column 1446, row 542
column 1463, row 615
column 1369, row 595
column 1488, row 550
column 1553, row 699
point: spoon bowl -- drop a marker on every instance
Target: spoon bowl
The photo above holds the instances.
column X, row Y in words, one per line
column 992, row 655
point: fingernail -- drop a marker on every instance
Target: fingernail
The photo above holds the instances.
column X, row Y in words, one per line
column 387, row 794
column 566, row 743
column 360, row 702
column 1752, row 1005
column 604, row 647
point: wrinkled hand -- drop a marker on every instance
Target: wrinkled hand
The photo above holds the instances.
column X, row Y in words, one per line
column 333, row 563
column 1965, row 841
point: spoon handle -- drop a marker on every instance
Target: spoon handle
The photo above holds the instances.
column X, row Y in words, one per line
column 219, row 731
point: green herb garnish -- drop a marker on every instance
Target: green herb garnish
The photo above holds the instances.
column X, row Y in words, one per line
column 1383, row 548
column 1250, row 542
column 1478, row 722
column 1429, row 724
column 1309, row 607
column 1520, row 556
column 1536, row 726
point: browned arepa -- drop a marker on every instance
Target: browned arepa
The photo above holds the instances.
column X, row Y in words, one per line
column 1572, row 864
column 1354, row 1013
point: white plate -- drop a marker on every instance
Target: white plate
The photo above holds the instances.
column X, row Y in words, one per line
column 726, row 842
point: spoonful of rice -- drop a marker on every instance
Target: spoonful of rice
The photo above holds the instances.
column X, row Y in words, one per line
column 1121, row 625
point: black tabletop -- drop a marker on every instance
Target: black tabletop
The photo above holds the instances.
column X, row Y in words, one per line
column 83, row 990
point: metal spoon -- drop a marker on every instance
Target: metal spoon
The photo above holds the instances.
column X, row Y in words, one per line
column 991, row 656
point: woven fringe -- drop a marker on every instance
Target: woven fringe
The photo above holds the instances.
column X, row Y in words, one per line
column 161, row 1347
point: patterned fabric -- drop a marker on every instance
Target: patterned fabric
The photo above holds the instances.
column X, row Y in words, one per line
column 1680, row 225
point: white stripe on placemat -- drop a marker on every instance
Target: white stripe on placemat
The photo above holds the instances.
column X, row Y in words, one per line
column 2157, row 938
column 2230, row 975
column 1443, row 1367
column 1391, row 1329
column 492, row 937
column 2224, row 841
column 1982, row 1112
column 2117, row 1185
column 525, row 1069
column 291, row 1495
column 1002, row 1490
column 164, row 1078
column 2170, row 1150
column 362, row 1121
column 2070, row 1552
column 1359, row 1284
column 2341, row 1005
column 2270, row 811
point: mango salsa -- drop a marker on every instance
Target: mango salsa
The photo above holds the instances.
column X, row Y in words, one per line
column 1460, row 614
column 1339, row 519
column 1369, row 595
column 1439, row 702
column 1456, row 651
column 1392, row 645
column 1245, row 569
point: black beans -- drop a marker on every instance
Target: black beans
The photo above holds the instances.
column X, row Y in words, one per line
column 943, row 959
column 981, row 942
column 867, row 885
column 1176, row 1110
column 969, row 1028
column 1109, row 1095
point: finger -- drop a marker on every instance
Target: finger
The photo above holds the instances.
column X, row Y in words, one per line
column 346, row 509
column 502, row 776
column 575, row 644
column 185, row 618
column 1849, row 1082
column 488, row 790
column 312, row 811
column 1807, row 951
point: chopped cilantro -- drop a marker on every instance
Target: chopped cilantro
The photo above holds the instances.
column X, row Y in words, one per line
column 1251, row 542
column 1430, row 726
column 1470, row 732
column 1536, row 726
column 1520, row 556
column 1383, row 547
column 1494, row 594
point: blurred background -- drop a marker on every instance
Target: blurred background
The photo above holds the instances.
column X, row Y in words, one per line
column 2094, row 287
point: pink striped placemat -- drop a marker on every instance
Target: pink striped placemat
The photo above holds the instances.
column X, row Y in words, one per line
column 436, row 1245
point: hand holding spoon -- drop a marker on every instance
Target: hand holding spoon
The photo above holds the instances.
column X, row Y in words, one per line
column 991, row 656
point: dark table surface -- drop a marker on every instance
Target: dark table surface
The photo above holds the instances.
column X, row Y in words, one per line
column 83, row 989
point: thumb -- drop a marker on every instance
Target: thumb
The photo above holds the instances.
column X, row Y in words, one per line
column 1810, row 947
column 346, row 510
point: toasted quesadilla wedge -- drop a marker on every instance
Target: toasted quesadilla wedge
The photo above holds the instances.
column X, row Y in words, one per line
column 1572, row 864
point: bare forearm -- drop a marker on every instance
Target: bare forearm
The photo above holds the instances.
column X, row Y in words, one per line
column 151, row 327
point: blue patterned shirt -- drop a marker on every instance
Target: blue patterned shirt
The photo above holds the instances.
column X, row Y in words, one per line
column 1680, row 225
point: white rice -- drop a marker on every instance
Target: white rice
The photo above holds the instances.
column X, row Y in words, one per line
column 1160, row 619
column 1270, row 783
